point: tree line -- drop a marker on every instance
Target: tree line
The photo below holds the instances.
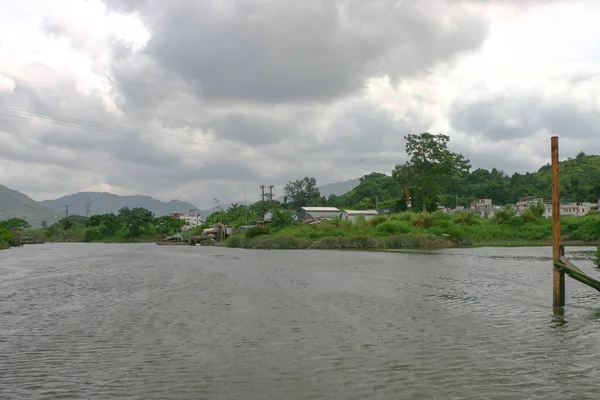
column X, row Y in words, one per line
column 433, row 174
column 437, row 176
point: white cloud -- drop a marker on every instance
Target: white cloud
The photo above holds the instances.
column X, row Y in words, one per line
column 532, row 67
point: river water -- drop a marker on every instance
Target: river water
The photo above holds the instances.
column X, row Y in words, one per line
column 159, row 322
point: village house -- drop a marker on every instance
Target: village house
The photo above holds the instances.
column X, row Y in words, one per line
column 192, row 220
column 312, row 213
column 571, row 209
column 352, row 215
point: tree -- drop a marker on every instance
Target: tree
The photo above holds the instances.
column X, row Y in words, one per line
column 136, row 220
column 366, row 204
column 14, row 224
column 106, row 224
column 431, row 164
column 168, row 225
column 303, row 192
column 281, row 219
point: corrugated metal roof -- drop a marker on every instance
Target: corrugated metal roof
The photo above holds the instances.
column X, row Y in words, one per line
column 361, row 212
column 324, row 214
column 324, row 209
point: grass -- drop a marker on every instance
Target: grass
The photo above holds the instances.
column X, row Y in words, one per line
column 412, row 230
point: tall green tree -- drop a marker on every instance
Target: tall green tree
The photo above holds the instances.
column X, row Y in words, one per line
column 136, row 220
column 303, row 192
column 14, row 224
column 430, row 164
column 168, row 225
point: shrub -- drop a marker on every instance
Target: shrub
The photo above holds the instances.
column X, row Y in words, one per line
column 291, row 242
column 281, row 219
column 3, row 244
column 516, row 221
column 598, row 256
column 502, row 216
column 467, row 218
column 257, row 231
column 91, row 234
column 378, row 219
column 404, row 241
column 4, row 235
column 237, row 241
column 423, row 220
column 393, row 227
column 460, row 235
column 404, row 216
column 359, row 242
column 328, row 242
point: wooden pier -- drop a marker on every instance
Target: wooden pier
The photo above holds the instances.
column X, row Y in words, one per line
column 561, row 265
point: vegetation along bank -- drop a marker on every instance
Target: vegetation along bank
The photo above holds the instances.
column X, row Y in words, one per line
column 413, row 230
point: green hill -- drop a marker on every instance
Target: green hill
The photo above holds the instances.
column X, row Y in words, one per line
column 580, row 181
column 14, row 204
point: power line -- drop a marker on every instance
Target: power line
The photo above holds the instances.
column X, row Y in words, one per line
column 127, row 131
column 121, row 130
column 143, row 133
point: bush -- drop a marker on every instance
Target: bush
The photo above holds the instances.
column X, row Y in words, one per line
column 3, row 244
column 460, row 235
column 598, row 256
column 236, row 241
column 257, row 231
column 393, row 227
column 423, row 220
column 516, row 221
column 360, row 242
column 502, row 216
column 404, row 241
column 291, row 242
column 281, row 219
column 4, row 235
column 378, row 219
column 91, row 234
column 325, row 243
column 468, row 219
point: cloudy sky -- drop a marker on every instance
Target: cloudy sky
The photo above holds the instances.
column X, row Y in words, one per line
column 198, row 99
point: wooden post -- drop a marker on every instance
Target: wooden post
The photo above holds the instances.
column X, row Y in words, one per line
column 558, row 277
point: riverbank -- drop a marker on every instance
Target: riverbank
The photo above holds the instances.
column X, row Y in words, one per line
column 410, row 230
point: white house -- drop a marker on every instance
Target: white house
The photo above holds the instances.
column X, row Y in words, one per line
column 192, row 220
column 309, row 213
column 352, row 215
column 571, row 209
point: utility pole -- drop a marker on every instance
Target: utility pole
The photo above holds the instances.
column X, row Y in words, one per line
column 88, row 207
column 67, row 210
column 262, row 196
column 406, row 187
column 376, row 202
column 456, row 196
column 190, row 214
column 245, row 203
column 271, row 192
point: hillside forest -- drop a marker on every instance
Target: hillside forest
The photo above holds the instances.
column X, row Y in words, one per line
column 434, row 175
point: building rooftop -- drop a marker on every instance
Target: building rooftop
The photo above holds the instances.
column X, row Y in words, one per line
column 321, row 209
column 361, row 212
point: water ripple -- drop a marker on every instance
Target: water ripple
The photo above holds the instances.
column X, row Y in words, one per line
column 153, row 322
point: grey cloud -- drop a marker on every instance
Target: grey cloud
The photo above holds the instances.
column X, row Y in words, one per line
column 168, row 177
column 250, row 129
column 506, row 117
column 293, row 50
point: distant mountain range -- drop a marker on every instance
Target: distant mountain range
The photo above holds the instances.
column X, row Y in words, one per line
column 106, row 203
column 14, row 204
